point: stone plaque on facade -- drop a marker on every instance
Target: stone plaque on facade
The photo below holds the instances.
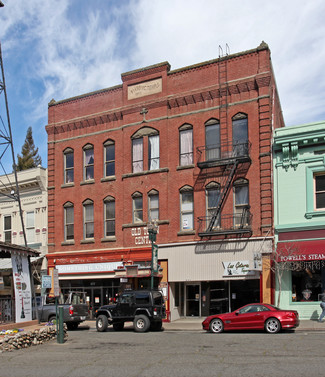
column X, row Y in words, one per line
column 144, row 89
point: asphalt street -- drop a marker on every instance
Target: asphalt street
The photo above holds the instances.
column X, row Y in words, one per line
column 170, row 353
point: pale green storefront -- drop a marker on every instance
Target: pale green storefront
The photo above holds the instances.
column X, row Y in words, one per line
column 299, row 215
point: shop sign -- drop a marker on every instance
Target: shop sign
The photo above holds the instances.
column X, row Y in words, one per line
column 237, row 268
column 257, row 262
column 91, row 267
column 141, row 235
column 46, row 281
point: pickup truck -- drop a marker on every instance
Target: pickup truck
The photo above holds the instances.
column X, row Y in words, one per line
column 75, row 309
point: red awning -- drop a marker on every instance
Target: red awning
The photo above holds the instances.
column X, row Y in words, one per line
column 296, row 251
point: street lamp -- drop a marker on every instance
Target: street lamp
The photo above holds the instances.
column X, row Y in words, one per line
column 152, row 230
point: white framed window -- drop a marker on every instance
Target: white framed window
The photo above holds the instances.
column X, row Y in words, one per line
column 68, row 221
column 212, row 200
column 7, row 228
column 88, row 162
column 109, row 216
column 319, row 190
column 68, row 166
column 137, row 155
column 153, row 152
column 30, row 227
column 241, row 201
column 187, row 208
column 88, row 214
column 186, row 145
column 109, row 158
column 137, row 207
column 153, row 205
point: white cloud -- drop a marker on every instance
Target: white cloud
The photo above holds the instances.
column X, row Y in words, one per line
column 58, row 49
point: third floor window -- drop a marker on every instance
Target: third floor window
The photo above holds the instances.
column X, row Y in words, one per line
column 88, row 162
column 109, row 158
column 68, row 166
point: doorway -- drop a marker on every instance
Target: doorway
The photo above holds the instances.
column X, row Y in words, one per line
column 192, row 299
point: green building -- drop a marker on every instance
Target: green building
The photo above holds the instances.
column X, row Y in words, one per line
column 299, row 215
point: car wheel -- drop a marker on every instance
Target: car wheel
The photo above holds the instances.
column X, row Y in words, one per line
column 141, row 323
column 52, row 319
column 216, row 326
column 272, row 326
column 101, row 323
column 119, row 326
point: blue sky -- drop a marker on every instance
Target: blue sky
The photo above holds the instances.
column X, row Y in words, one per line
column 63, row 48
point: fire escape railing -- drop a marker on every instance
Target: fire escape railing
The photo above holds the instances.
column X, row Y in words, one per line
column 237, row 223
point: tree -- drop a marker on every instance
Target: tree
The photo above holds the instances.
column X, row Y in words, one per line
column 29, row 154
column 283, row 259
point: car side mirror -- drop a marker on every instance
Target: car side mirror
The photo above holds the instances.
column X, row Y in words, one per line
column 237, row 313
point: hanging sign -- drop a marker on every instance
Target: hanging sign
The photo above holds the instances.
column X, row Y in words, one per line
column 23, row 295
column 155, row 258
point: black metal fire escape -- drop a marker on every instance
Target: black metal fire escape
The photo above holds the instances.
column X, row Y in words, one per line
column 227, row 159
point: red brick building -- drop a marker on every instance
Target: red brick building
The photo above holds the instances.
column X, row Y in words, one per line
column 189, row 147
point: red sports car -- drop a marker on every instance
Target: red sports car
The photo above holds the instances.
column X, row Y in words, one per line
column 253, row 317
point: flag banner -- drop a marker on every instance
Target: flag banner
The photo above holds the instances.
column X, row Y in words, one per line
column 23, row 294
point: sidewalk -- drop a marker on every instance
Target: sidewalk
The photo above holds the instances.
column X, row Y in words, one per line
column 183, row 324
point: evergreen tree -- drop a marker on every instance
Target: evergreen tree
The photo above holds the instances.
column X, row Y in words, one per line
column 29, row 157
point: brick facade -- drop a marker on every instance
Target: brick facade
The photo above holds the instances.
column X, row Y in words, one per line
column 172, row 98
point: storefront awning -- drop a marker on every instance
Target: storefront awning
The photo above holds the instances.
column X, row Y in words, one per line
column 296, row 251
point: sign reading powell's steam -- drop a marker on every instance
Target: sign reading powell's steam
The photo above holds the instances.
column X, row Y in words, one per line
column 144, row 89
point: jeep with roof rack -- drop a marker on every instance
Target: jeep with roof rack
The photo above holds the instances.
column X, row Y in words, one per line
column 145, row 308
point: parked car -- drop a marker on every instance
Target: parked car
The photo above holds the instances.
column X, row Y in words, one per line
column 253, row 317
column 145, row 308
column 75, row 309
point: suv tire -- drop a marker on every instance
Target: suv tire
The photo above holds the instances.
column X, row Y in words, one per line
column 141, row 323
column 101, row 323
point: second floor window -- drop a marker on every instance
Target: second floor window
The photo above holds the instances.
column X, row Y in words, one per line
column 137, row 207
column 153, row 205
column 7, row 228
column 68, row 166
column 187, row 208
column 186, row 145
column 68, row 221
column 320, row 191
column 88, row 162
column 241, row 200
column 212, row 200
column 88, row 207
column 30, row 227
column 109, row 216
column 109, row 155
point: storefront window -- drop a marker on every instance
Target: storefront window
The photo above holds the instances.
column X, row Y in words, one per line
column 308, row 282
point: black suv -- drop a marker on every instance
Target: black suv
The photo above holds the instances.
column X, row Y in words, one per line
column 145, row 308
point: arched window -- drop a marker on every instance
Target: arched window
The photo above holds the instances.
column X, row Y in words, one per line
column 153, row 205
column 212, row 139
column 109, row 158
column 212, row 191
column 153, row 149
column 68, row 165
column 187, row 208
column 109, row 216
column 240, row 134
column 68, row 221
column 241, row 202
column 185, row 145
column 88, row 162
column 137, row 200
column 88, row 218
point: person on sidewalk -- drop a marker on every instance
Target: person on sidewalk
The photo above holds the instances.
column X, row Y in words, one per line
column 322, row 305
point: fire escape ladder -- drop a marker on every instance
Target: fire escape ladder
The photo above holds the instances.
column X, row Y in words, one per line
column 223, row 89
column 231, row 168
